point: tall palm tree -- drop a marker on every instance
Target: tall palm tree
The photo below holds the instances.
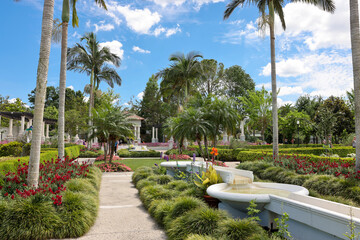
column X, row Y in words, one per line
column 62, row 84
column 211, row 75
column 355, row 46
column 92, row 59
column 182, row 72
column 41, row 80
column 267, row 9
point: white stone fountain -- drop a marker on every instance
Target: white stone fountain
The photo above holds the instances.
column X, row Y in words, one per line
column 309, row 217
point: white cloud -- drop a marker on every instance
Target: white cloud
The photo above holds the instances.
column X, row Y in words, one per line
column 140, row 95
column 281, row 102
column 140, row 50
column 173, row 31
column 164, row 3
column 199, row 3
column 76, row 35
column 103, row 27
column 86, row 99
column 316, row 28
column 126, row 104
column 139, row 20
column 115, row 47
column 88, row 24
column 13, row 100
column 284, row 91
column 288, row 68
column 70, row 87
column 159, row 30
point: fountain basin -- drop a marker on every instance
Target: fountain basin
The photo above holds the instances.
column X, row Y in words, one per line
column 239, row 196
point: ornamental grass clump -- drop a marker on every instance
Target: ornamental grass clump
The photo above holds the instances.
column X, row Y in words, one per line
column 160, row 179
column 178, row 185
column 181, row 205
column 202, row 221
column 143, row 183
column 155, row 192
column 202, row 237
column 142, row 173
column 240, row 229
column 159, row 209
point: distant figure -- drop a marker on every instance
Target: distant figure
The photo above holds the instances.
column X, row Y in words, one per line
column 116, row 145
column 354, row 142
column 292, row 141
column 286, row 141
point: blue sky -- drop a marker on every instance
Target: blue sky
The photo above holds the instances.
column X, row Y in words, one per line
column 313, row 55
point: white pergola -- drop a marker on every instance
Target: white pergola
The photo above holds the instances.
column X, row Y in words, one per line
column 136, row 121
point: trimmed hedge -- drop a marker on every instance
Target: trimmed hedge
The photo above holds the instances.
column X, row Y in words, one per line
column 11, row 163
column 173, row 205
column 321, row 184
column 134, row 154
column 341, row 151
column 11, row 149
column 35, row 218
column 287, row 146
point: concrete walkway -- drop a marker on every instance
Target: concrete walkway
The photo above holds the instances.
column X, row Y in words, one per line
column 121, row 214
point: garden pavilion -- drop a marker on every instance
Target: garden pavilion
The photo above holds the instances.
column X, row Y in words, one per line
column 136, row 122
column 11, row 133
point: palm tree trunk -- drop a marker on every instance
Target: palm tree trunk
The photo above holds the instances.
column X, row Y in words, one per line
column 201, row 149
column 41, row 80
column 91, row 104
column 62, row 89
column 273, row 89
column 105, row 151
column 355, row 46
column 206, row 147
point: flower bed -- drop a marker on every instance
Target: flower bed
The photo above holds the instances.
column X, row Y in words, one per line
column 101, row 158
column 63, row 205
column 113, row 167
column 158, row 144
column 179, row 157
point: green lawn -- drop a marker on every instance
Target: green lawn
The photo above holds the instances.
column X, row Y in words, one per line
column 135, row 163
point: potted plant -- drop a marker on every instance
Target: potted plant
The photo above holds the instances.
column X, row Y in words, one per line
column 208, row 178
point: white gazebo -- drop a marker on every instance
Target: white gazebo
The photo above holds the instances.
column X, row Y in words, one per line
column 136, row 121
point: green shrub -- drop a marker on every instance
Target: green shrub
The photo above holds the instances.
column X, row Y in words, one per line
column 143, row 183
column 202, row 221
column 185, row 152
column 81, row 185
column 202, row 237
column 141, row 173
column 26, row 149
column 155, row 192
column 11, row 149
column 182, row 205
column 160, row 179
column 159, row 209
column 91, row 154
column 240, row 229
column 178, row 185
column 31, row 218
column 136, row 154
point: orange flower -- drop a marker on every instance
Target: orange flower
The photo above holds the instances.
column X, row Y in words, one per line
column 214, row 151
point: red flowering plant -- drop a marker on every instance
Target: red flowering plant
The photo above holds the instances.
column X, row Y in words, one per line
column 113, row 167
column 101, row 158
column 52, row 177
column 179, row 157
column 304, row 165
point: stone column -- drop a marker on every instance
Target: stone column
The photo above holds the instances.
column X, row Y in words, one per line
column 157, row 137
column 30, row 122
column 242, row 136
column 153, row 135
column 22, row 125
column 77, row 135
column 10, row 133
column 47, row 130
column 138, row 134
column 171, row 142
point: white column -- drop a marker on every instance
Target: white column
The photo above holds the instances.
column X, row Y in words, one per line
column 157, row 137
column 138, row 134
column 153, row 135
column 10, row 134
column 171, row 142
column 242, row 136
column 225, row 137
column 77, row 135
column 30, row 122
column 47, row 130
column 22, row 125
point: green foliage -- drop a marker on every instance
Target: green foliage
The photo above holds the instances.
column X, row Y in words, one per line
column 159, row 209
column 240, row 229
column 208, row 178
column 30, row 218
column 202, row 221
column 143, row 183
column 155, row 192
column 283, row 226
column 160, row 179
column 253, row 211
column 201, row 237
column 137, row 154
column 91, row 154
column 141, row 173
column 11, row 149
column 178, row 185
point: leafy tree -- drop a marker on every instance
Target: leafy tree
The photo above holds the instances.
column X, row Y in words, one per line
column 178, row 79
column 343, row 117
column 308, row 104
column 92, row 59
column 238, row 82
column 51, row 98
column 210, row 81
column 51, row 112
column 325, row 120
column 111, row 124
column 288, row 124
column 351, row 99
column 267, row 10
column 258, row 107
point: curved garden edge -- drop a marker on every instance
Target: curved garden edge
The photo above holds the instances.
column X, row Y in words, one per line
column 36, row 218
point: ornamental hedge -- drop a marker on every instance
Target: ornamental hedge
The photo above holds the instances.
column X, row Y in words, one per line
column 137, row 154
column 176, row 206
column 64, row 205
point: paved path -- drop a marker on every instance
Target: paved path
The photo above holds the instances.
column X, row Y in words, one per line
column 121, row 214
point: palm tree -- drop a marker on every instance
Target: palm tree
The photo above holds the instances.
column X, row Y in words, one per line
column 41, row 80
column 192, row 124
column 211, row 75
column 181, row 73
column 275, row 6
column 111, row 124
column 92, row 60
column 355, row 47
column 62, row 84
